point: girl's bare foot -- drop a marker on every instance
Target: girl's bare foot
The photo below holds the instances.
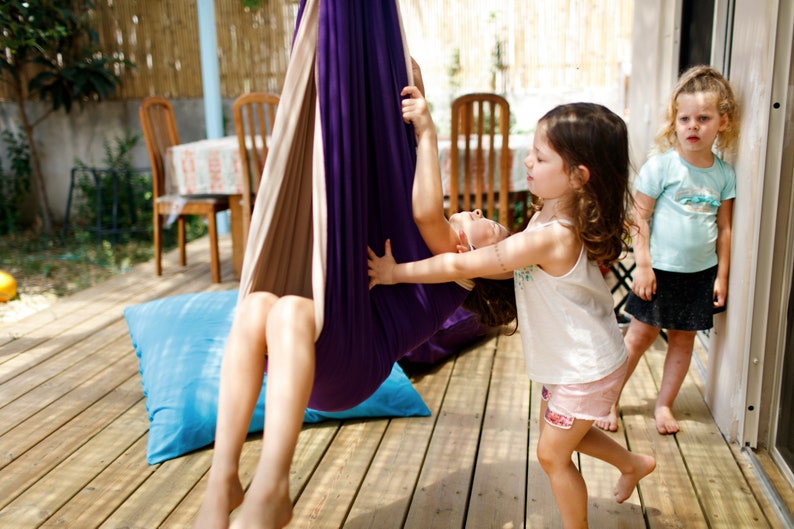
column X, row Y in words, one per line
column 665, row 422
column 610, row 422
column 264, row 511
column 641, row 467
column 220, row 499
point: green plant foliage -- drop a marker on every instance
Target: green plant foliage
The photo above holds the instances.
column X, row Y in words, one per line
column 56, row 37
column 14, row 183
column 113, row 201
column 51, row 53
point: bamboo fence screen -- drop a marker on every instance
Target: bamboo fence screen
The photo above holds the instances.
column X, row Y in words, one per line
column 510, row 46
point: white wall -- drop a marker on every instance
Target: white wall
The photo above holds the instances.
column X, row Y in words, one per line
column 63, row 138
column 654, row 43
column 751, row 73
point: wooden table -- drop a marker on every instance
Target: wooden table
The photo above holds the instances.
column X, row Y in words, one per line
column 211, row 167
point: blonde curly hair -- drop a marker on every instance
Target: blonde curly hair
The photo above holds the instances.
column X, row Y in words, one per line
column 698, row 79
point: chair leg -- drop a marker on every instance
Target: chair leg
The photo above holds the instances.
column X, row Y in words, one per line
column 180, row 223
column 215, row 264
column 158, row 244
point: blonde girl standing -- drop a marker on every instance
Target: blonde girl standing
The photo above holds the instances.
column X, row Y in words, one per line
column 683, row 211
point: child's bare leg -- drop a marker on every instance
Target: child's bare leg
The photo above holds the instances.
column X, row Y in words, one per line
column 676, row 366
column 555, row 448
column 241, row 379
column 639, row 337
column 291, row 361
column 633, row 467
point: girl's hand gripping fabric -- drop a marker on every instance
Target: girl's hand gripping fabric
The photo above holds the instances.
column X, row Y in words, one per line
column 381, row 269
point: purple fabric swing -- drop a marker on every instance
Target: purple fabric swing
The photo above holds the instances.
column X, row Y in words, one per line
column 339, row 178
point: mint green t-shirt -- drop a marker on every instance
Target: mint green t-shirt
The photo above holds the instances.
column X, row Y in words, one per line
column 684, row 222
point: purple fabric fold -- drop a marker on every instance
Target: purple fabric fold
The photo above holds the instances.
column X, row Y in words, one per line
column 370, row 160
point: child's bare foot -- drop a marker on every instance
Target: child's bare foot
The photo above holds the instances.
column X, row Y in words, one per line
column 268, row 511
column 609, row 423
column 220, row 499
column 665, row 422
column 641, row 467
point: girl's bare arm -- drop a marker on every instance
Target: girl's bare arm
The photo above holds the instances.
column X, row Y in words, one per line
column 554, row 248
column 724, row 226
column 427, row 194
column 643, row 279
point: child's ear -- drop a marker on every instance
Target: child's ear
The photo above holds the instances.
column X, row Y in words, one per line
column 723, row 123
column 580, row 176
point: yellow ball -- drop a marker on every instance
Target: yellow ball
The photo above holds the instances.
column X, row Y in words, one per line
column 8, row 287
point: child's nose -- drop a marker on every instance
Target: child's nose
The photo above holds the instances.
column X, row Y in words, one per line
column 477, row 213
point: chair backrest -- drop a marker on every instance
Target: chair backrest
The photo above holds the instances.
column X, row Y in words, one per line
column 159, row 132
column 480, row 155
column 254, row 116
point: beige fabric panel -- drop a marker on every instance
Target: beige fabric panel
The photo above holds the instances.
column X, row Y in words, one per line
column 278, row 255
column 287, row 243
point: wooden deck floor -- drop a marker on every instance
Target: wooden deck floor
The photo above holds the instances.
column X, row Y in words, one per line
column 73, row 432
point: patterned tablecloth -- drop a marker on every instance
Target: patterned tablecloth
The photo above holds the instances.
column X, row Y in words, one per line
column 213, row 166
column 519, row 149
column 205, row 167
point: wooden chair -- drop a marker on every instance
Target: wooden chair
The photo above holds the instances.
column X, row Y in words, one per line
column 480, row 156
column 159, row 131
column 254, row 116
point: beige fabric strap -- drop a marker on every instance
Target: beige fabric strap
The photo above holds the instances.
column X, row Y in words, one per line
column 287, row 242
column 278, row 255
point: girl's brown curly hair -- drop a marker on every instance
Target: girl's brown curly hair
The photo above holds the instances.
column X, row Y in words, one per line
column 493, row 301
column 591, row 135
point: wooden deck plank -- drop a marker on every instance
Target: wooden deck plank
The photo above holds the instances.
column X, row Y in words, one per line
column 152, row 502
column 780, row 499
column 443, row 487
column 39, row 425
column 75, row 424
column 725, row 498
column 387, row 490
column 42, row 343
column 110, row 488
column 140, row 281
column 327, row 498
column 667, row 492
column 26, row 467
column 59, row 374
column 312, row 444
column 50, row 492
column 51, row 385
column 184, row 514
column 499, row 485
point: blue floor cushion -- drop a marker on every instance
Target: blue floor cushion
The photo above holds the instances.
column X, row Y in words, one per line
column 179, row 341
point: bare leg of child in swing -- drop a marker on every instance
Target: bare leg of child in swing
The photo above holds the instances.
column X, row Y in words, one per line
column 281, row 332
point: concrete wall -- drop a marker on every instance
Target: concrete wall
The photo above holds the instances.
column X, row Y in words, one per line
column 63, row 138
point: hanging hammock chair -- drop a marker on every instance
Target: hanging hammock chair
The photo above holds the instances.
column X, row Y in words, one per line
column 339, row 178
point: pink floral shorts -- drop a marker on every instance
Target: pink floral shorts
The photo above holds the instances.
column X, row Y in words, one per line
column 589, row 401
